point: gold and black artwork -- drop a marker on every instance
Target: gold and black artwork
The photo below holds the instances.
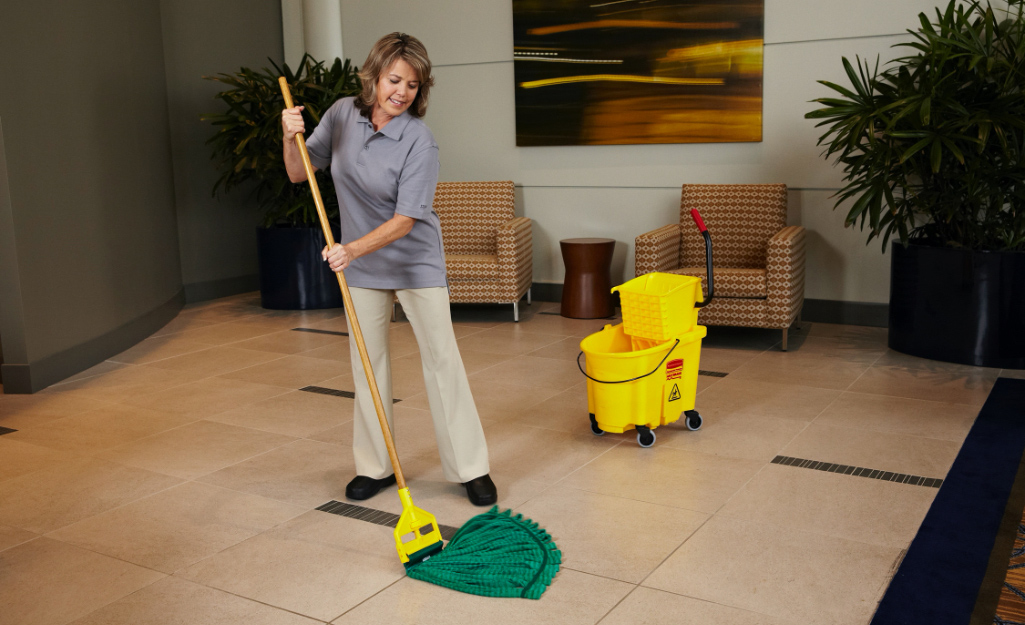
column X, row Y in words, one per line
column 637, row 71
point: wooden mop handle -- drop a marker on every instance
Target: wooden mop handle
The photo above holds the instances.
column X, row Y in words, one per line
column 346, row 297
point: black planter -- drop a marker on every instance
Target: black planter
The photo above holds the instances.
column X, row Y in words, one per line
column 293, row 276
column 958, row 306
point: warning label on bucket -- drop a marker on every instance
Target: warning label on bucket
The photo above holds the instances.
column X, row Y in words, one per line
column 675, row 393
column 674, row 369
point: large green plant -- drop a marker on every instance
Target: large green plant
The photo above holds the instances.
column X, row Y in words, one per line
column 931, row 148
column 247, row 146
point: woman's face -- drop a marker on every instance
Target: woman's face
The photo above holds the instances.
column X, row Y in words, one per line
column 396, row 88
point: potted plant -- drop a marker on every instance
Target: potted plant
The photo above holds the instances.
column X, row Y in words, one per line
column 931, row 149
column 248, row 152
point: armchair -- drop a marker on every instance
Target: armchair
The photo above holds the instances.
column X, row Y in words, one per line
column 488, row 250
column 758, row 260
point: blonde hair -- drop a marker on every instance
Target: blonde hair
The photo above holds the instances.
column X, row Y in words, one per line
column 383, row 55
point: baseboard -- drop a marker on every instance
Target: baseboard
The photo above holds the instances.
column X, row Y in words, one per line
column 213, row 289
column 35, row 376
column 850, row 313
column 546, row 291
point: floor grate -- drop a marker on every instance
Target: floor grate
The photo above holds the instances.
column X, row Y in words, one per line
column 335, row 392
column 377, row 517
column 872, row 474
column 712, row 374
column 316, row 331
column 4, row 430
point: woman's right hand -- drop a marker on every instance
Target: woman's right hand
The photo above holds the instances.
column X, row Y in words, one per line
column 292, row 122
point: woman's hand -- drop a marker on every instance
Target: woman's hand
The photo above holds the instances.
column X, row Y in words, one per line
column 337, row 257
column 292, row 123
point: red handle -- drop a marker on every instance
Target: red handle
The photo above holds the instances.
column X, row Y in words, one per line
column 698, row 220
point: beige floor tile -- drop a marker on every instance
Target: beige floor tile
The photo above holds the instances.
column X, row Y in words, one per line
column 803, row 367
column 296, row 318
column 533, row 373
column 107, row 427
column 126, row 383
column 44, row 581
column 914, row 417
column 738, row 435
column 899, row 375
column 296, row 413
column 182, row 323
column 753, row 398
column 841, row 506
column 564, row 412
column 196, row 449
column 69, row 492
column 26, row 411
column 158, row 348
column 230, row 331
column 796, row 576
column 574, row 598
column 334, row 324
column 566, row 349
column 22, row 458
column 12, row 536
column 106, row 366
column 206, row 397
column 855, row 336
column 624, row 539
column 564, row 326
column 655, row 607
column 290, row 372
column 305, row 473
column 318, row 565
column 1013, row 373
column 174, row 601
column 177, row 527
column 290, row 342
column 667, row 477
column 338, row 352
column 900, row 453
column 519, row 452
column 478, row 361
column 413, row 432
column 723, row 360
column 461, row 330
column 507, row 341
column 217, row 360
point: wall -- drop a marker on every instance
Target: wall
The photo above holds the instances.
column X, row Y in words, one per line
column 622, row 191
column 90, row 259
column 203, row 38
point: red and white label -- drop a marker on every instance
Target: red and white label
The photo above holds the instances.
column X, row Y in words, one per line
column 674, row 369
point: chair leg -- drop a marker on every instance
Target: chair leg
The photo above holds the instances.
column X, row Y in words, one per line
column 785, row 330
column 797, row 322
column 516, row 312
column 528, row 297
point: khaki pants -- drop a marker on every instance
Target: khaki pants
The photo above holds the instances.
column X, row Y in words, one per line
column 461, row 444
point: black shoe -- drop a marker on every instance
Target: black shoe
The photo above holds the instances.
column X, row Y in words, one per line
column 481, row 491
column 362, row 487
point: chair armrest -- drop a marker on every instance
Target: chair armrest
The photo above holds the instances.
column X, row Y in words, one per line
column 658, row 250
column 515, row 246
column 784, row 275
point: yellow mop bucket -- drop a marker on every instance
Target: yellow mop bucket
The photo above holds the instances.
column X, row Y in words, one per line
column 659, row 306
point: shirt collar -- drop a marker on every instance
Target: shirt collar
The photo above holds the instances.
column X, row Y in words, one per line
column 394, row 128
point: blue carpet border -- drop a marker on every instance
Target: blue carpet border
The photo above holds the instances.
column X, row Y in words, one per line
column 940, row 577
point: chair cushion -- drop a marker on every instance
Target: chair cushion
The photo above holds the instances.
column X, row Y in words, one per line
column 740, row 217
column 471, row 266
column 471, row 213
column 731, row 282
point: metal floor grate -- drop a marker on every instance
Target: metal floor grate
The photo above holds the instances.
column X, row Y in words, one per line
column 872, row 474
column 4, row 430
column 316, row 331
column 377, row 517
column 335, row 392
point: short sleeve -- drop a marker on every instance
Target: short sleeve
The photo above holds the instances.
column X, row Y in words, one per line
column 417, row 182
column 319, row 143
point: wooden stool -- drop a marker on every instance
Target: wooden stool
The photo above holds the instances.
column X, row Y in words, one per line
column 586, row 292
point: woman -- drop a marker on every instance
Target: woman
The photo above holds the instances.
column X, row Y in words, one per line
column 384, row 163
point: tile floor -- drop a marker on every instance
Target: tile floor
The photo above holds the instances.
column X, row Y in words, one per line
column 177, row 482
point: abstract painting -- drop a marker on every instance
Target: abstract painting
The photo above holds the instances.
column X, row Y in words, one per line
column 637, row 71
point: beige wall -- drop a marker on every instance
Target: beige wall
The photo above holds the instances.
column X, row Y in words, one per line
column 622, row 191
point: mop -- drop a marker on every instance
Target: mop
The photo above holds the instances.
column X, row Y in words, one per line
column 495, row 554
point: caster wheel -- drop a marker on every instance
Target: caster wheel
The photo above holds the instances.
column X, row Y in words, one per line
column 645, row 437
column 597, row 431
column 693, row 420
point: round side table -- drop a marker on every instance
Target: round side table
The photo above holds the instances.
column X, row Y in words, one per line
column 586, row 292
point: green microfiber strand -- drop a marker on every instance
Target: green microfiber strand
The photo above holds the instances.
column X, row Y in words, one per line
column 495, row 554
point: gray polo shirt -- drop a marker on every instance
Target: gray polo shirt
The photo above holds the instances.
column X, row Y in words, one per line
column 378, row 175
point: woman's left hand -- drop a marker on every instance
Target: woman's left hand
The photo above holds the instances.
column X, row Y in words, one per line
column 337, row 257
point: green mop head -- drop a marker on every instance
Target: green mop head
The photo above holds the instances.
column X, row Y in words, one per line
column 495, row 554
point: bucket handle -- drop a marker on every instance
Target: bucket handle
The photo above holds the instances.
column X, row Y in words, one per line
column 657, row 367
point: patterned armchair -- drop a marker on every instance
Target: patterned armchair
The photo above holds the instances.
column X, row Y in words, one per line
column 488, row 249
column 758, row 259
